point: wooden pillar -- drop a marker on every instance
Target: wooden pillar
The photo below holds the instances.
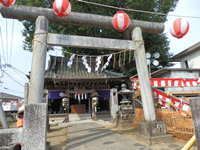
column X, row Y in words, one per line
column 89, row 108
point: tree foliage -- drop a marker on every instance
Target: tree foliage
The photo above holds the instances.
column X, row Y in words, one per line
column 153, row 42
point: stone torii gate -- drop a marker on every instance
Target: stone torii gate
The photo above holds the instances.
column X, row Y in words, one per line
column 44, row 16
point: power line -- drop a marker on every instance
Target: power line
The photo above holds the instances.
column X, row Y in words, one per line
column 18, row 73
column 5, row 88
column 11, row 41
column 2, row 43
column 7, row 39
column 13, row 79
column 134, row 10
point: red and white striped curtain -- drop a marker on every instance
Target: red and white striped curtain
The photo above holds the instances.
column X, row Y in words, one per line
column 169, row 82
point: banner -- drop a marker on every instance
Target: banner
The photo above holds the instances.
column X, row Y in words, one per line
column 55, row 94
column 167, row 100
column 169, row 82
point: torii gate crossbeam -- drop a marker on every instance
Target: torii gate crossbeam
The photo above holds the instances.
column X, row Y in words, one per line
column 29, row 13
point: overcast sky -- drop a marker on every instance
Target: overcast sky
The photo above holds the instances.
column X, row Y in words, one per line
column 21, row 59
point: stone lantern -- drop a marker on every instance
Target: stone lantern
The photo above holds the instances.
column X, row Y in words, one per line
column 124, row 92
column 95, row 102
column 126, row 112
column 65, row 103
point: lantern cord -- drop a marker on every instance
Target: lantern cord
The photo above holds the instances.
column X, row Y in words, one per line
column 134, row 10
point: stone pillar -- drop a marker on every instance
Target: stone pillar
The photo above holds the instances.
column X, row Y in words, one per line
column 145, row 86
column 151, row 131
column 113, row 103
column 3, row 117
column 26, row 88
column 89, row 103
column 38, row 61
column 195, row 106
column 34, row 128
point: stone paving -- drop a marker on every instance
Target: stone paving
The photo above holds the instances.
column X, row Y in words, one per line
column 93, row 136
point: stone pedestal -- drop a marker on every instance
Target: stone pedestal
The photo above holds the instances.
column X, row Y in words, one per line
column 34, row 128
column 153, row 133
column 113, row 104
column 125, row 115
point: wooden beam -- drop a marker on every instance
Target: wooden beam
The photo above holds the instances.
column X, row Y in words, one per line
column 89, row 42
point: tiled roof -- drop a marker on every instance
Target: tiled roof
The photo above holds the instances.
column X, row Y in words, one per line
column 58, row 69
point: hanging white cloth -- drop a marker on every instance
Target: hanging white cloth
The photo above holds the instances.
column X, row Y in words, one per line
column 82, row 96
column 85, row 95
column 79, row 98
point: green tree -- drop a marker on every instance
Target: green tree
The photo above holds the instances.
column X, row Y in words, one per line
column 153, row 42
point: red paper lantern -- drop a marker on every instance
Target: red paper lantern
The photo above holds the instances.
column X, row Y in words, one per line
column 179, row 28
column 62, row 8
column 7, row 3
column 4, row 103
column 121, row 21
column 12, row 102
column 19, row 100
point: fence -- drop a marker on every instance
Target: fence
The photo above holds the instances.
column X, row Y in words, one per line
column 178, row 123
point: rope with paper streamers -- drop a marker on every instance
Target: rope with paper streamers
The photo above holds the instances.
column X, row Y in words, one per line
column 99, row 58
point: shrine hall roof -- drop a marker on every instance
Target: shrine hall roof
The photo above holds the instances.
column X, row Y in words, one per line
column 58, row 69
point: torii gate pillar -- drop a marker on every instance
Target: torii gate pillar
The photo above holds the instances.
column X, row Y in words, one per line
column 141, row 64
column 151, row 130
column 35, row 113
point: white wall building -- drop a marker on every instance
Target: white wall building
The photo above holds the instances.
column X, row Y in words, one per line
column 189, row 58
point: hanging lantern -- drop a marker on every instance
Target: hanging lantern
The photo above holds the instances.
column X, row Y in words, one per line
column 12, row 102
column 7, row 3
column 121, row 21
column 179, row 28
column 19, row 100
column 4, row 103
column 62, row 8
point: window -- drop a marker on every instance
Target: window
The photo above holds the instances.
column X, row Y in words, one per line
column 186, row 64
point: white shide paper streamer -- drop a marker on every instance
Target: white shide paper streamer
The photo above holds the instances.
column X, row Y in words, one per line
column 107, row 63
column 70, row 62
column 86, row 64
column 98, row 62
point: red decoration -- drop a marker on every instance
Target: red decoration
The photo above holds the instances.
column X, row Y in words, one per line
column 62, row 8
column 19, row 100
column 7, row 3
column 121, row 21
column 4, row 103
column 179, row 28
column 12, row 102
